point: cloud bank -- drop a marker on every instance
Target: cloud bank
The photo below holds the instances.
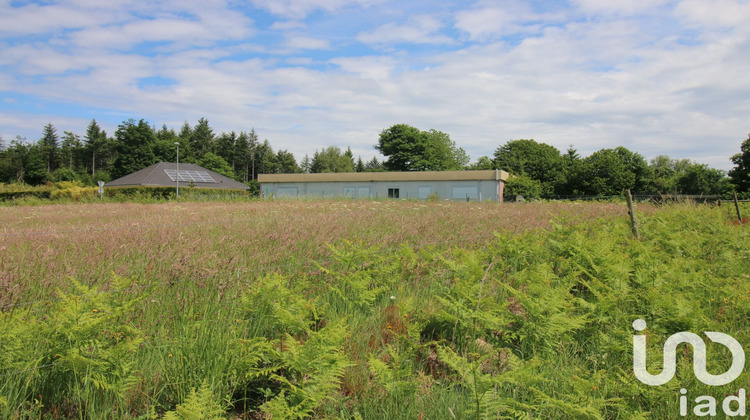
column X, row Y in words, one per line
column 658, row 76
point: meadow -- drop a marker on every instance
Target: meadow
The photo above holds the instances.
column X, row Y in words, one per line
column 359, row 309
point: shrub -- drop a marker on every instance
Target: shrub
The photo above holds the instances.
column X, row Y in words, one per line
column 522, row 185
column 64, row 174
column 75, row 193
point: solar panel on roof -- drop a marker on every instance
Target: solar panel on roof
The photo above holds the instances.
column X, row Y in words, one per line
column 189, row 176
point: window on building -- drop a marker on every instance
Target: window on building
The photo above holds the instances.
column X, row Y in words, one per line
column 392, row 192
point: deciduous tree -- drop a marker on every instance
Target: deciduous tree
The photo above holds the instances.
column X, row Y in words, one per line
column 740, row 174
column 409, row 149
column 610, row 171
column 217, row 164
column 538, row 161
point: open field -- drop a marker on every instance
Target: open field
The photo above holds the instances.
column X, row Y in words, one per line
column 358, row 309
column 235, row 242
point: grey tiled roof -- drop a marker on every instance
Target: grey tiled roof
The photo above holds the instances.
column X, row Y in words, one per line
column 156, row 176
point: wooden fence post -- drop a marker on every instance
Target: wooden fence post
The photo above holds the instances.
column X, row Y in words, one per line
column 631, row 212
column 737, row 207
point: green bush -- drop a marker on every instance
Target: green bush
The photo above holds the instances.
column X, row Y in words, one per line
column 522, row 185
column 64, row 174
column 169, row 193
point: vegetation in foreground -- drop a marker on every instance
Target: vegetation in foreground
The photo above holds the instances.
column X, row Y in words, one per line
column 533, row 323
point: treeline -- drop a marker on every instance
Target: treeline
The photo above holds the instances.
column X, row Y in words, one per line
column 542, row 171
column 539, row 170
column 96, row 156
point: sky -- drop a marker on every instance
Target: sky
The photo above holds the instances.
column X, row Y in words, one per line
column 660, row 77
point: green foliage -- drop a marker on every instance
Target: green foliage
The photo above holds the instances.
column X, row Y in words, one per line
column 740, row 173
column 49, row 147
column 216, row 164
column 273, row 309
column 34, row 166
column 483, row 163
column 611, row 171
column 286, row 163
column 331, row 159
column 64, row 174
column 312, row 370
column 80, row 352
column 365, row 279
column 700, row 179
column 75, row 193
column 11, row 194
column 97, row 147
column 686, row 177
column 201, row 138
column 374, row 165
column 165, row 193
column 133, row 149
column 409, row 149
column 199, row 405
column 479, row 373
column 534, row 161
column 529, row 325
column 522, row 185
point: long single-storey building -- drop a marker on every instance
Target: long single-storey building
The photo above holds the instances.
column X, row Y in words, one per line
column 443, row 185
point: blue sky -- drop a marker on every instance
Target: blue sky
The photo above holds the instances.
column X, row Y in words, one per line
column 657, row 76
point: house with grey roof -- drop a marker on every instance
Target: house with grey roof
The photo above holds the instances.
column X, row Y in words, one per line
column 167, row 174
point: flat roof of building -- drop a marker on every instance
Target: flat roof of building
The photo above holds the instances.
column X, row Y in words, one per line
column 492, row 175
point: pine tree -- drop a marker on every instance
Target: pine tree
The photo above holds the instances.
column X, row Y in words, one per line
column 202, row 139
column 70, row 150
column 49, row 147
column 244, row 155
column 306, row 164
column 134, row 152
column 374, row 165
column 96, row 143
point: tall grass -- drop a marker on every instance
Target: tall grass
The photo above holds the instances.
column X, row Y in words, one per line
column 409, row 310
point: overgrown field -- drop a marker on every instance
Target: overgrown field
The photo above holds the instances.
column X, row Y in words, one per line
column 349, row 309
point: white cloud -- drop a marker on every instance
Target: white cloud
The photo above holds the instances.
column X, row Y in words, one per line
column 417, row 30
column 593, row 83
column 491, row 20
column 35, row 19
column 719, row 13
column 298, row 42
column 209, row 28
column 298, row 9
column 370, row 67
column 287, row 25
column 619, row 7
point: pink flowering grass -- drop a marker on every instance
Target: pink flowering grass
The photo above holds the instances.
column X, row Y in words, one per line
column 171, row 242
